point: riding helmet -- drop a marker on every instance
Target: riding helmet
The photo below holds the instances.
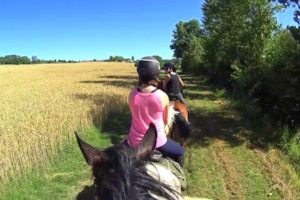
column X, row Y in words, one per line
column 168, row 65
column 148, row 68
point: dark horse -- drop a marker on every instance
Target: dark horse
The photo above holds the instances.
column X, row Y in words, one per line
column 121, row 172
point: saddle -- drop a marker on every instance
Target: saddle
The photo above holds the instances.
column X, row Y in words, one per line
column 171, row 165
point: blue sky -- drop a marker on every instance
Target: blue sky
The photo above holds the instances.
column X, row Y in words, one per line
column 88, row 29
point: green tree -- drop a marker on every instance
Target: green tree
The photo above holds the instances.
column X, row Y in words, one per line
column 34, row 59
column 187, row 44
column 24, row 60
column 192, row 60
column 116, row 59
column 15, row 59
column 281, row 80
column 183, row 36
column 160, row 60
column 295, row 32
column 236, row 33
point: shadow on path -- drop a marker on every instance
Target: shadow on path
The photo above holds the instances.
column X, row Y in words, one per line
column 225, row 123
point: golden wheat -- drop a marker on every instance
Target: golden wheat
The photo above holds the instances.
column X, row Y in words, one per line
column 41, row 106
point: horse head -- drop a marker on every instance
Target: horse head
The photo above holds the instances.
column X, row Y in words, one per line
column 120, row 171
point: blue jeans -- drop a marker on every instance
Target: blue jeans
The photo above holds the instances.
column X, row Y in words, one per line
column 181, row 99
column 172, row 149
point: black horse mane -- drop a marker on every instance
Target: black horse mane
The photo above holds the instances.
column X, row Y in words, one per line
column 125, row 177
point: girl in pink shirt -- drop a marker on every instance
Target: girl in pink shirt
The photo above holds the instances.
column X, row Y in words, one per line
column 150, row 105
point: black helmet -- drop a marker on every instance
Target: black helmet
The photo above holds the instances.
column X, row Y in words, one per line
column 169, row 65
column 148, row 68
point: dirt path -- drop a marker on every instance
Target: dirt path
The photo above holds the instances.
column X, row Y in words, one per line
column 223, row 161
column 232, row 175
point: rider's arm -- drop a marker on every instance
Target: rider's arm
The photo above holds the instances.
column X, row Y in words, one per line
column 165, row 102
column 181, row 84
column 166, row 80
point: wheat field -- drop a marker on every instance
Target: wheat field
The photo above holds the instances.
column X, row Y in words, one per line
column 42, row 105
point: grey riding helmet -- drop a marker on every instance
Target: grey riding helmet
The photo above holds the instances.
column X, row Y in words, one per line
column 148, row 68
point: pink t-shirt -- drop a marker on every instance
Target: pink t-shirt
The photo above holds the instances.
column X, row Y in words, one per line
column 146, row 108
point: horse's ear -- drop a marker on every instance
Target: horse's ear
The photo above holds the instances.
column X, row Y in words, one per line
column 148, row 143
column 89, row 152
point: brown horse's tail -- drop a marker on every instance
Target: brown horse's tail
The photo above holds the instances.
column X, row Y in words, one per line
column 183, row 125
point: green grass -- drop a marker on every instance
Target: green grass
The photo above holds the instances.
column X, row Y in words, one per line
column 203, row 173
column 65, row 177
column 255, row 180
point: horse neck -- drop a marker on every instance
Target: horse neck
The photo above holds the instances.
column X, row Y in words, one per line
column 182, row 108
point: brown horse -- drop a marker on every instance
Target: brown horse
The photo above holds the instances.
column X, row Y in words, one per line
column 180, row 129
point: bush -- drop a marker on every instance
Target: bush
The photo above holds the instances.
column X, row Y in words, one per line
column 291, row 145
column 274, row 84
column 282, row 77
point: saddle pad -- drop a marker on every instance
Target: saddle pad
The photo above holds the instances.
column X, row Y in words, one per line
column 172, row 167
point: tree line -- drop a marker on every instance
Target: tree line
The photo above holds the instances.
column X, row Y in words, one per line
column 20, row 60
column 15, row 59
column 240, row 46
column 119, row 59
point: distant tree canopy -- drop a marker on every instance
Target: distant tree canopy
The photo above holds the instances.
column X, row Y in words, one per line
column 14, row 59
column 18, row 60
column 184, row 36
column 118, row 59
column 115, row 59
column 187, row 44
column 34, row 59
column 160, row 60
